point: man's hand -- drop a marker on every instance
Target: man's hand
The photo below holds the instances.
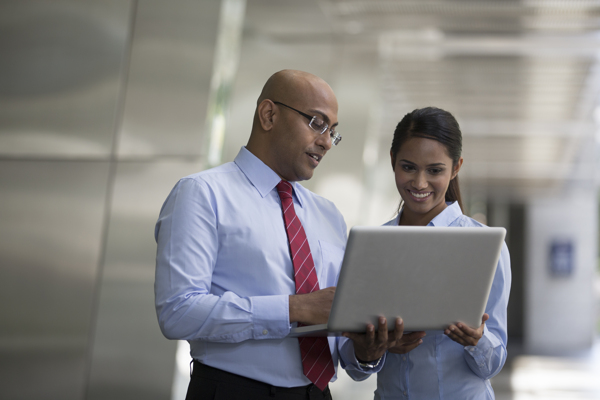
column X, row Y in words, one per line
column 311, row 308
column 408, row 342
column 371, row 346
column 465, row 335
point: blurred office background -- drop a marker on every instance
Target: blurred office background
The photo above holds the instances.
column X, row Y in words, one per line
column 104, row 104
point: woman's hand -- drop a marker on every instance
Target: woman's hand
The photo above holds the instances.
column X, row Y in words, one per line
column 407, row 342
column 465, row 335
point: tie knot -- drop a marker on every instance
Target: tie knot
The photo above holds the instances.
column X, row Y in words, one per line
column 284, row 188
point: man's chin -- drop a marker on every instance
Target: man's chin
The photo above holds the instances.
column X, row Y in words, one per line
column 303, row 178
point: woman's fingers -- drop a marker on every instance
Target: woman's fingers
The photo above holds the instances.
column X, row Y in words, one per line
column 466, row 335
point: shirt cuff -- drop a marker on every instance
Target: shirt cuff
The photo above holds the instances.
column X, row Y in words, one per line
column 481, row 353
column 271, row 317
column 493, row 339
column 348, row 358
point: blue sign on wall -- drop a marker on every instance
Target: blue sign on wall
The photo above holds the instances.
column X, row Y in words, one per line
column 562, row 255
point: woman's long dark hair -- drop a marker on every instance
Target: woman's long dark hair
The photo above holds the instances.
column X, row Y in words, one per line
column 436, row 124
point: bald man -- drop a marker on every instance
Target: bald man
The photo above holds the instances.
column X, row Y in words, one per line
column 225, row 274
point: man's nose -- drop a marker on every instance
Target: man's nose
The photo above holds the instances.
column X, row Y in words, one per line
column 324, row 140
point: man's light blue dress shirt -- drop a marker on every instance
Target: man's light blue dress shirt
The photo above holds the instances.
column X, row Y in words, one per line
column 440, row 368
column 224, row 272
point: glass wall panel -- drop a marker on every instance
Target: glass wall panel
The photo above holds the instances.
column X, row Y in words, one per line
column 51, row 224
column 60, row 75
column 169, row 78
column 131, row 358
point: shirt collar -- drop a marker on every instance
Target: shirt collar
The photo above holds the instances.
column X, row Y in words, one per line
column 447, row 216
column 260, row 175
column 395, row 221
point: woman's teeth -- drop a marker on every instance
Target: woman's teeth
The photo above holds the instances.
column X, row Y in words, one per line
column 420, row 195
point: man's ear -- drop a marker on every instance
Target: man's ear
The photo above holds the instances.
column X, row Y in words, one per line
column 265, row 111
column 393, row 157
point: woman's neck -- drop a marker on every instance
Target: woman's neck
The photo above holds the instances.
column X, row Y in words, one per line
column 412, row 219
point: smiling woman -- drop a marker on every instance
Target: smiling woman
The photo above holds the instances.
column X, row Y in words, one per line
column 423, row 173
column 426, row 154
column 458, row 362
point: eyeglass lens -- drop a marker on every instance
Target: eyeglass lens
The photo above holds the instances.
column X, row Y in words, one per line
column 318, row 125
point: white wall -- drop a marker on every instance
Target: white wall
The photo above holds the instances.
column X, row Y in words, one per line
column 559, row 311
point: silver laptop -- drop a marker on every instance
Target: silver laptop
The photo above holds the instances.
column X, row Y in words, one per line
column 431, row 277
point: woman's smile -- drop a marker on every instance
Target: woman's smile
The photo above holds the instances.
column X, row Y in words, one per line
column 419, row 196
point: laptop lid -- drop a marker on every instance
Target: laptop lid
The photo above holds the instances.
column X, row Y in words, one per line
column 430, row 276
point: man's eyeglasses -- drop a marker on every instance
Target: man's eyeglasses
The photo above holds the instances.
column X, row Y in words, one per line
column 317, row 125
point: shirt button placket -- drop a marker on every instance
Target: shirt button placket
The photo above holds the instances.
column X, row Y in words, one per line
column 405, row 374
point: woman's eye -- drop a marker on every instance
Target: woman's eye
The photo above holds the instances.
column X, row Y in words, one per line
column 435, row 171
column 408, row 168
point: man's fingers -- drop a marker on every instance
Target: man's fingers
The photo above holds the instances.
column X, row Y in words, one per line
column 411, row 342
column 413, row 336
column 398, row 329
column 353, row 336
column 405, row 347
column 370, row 335
column 382, row 330
column 412, row 346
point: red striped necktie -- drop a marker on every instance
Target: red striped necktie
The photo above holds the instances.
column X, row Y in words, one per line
column 316, row 356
